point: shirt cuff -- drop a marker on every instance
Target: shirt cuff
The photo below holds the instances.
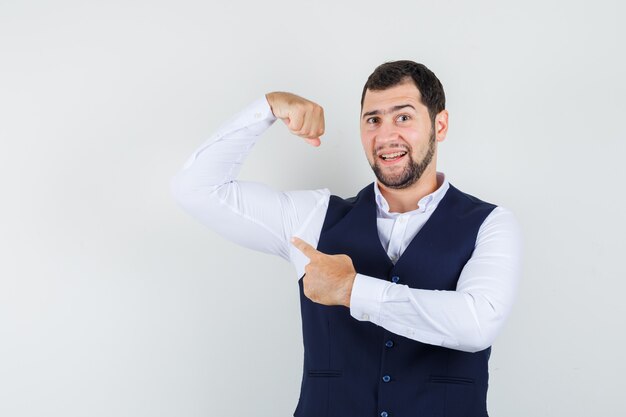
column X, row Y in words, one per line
column 366, row 298
column 257, row 117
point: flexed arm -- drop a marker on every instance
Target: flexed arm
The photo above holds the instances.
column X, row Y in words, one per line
column 250, row 213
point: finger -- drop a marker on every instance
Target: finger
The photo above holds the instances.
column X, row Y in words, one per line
column 308, row 250
column 313, row 126
column 318, row 125
column 296, row 121
column 312, row 138
column 313, row 141
column 305, row 129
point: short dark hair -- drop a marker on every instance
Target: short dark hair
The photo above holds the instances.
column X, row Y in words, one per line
column 393, row 73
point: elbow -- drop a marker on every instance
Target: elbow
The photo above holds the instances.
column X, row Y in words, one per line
column 188, row 191
column 477, row 344
column 470, row 343
column 475, row 341
column 484, row 327
column 196, row 197
column 184, row 193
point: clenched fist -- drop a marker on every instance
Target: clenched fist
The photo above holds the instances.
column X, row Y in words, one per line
column 304, row 118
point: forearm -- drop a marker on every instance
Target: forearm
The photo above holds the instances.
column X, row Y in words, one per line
column 218, row 160
column 453, row 319
column 467, row 319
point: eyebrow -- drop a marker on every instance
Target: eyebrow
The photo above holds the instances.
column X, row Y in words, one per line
column 391, row 110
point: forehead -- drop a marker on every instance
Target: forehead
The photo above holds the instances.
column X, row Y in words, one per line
column 404, row 93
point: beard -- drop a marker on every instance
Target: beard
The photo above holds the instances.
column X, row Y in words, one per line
column 412, row 170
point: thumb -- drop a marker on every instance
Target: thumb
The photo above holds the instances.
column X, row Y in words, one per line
column 313, row 141
column 308, row 250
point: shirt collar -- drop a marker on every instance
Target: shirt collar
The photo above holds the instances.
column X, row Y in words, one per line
column 427, row 202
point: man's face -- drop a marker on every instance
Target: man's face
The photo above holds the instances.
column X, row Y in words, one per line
column 397, row 134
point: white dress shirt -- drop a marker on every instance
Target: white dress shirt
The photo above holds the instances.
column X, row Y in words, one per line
column 261, row 218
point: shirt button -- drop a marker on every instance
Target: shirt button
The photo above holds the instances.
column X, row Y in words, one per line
column 394, row 258
column 395, row 279
column 384, row 414
column 365, row 317
column 389, row 343
column 386, row 378
column 257, row 115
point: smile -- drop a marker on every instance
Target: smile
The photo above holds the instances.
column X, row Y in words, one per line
column 393, row 156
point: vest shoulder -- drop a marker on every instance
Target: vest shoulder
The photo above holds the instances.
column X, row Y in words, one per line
column 338, row 207
column 343, row 202
column 469, row 199
column 351, row 201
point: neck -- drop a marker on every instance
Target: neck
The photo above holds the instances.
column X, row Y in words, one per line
column 406, row 199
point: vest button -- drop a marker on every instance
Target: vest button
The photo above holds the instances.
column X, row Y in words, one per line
column 395, row 279
column 386, row 378
column 384, row 414
column 389, row 343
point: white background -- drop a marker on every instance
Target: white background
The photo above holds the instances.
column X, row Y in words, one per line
column 114, row 302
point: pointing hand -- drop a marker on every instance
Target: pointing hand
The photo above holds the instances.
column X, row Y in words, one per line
column 328, row 279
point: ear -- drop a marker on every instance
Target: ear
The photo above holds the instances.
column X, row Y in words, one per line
column 441, row 125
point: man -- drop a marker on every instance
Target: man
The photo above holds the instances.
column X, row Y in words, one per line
column 403, row 287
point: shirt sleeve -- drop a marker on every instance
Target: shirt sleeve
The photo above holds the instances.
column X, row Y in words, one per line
column 467, row 319
column 251, row 214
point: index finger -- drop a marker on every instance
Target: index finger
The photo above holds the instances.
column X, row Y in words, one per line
column 308, row 250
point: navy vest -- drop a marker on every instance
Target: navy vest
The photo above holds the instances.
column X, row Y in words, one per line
column 358, row 369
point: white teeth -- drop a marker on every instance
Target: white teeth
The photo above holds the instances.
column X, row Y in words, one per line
column 392, row 155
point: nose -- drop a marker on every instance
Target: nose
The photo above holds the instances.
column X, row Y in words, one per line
column 387, row 133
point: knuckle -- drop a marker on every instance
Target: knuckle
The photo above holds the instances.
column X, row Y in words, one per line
column 344, row 258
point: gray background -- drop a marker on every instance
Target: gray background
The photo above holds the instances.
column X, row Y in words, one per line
column 113, row 302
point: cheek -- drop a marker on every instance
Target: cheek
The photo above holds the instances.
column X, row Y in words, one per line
column 416, row 139
column 367, row 144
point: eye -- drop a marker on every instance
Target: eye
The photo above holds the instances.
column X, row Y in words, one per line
column 403, row 118
column 372, row 120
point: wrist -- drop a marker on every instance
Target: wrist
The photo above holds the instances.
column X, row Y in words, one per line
column 348, row 290
column 271, row 100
